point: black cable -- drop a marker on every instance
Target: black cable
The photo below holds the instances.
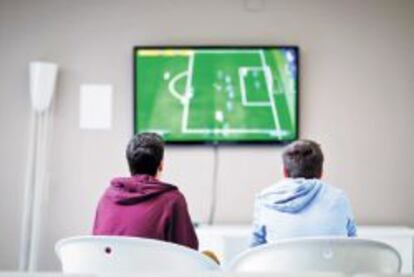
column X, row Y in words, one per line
column 213, row 202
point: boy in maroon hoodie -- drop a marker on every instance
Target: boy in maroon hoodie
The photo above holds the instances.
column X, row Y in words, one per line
column 141, row 205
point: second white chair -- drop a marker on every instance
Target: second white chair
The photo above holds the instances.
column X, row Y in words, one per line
column 345, row 255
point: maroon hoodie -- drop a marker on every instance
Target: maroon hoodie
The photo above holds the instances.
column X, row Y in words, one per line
column 142, row 206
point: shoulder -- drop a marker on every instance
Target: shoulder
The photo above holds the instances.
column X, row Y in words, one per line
column 267, row 190
column 175, row 197
column 333, row 191
column 337, row 195
column 280, row 187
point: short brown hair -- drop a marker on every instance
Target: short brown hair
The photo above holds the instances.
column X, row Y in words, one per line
column 303, row 159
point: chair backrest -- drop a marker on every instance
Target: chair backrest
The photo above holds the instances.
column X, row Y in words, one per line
column 345, row 255
column 112, row 254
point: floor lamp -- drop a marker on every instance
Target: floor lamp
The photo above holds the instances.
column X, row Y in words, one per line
column 42, row 87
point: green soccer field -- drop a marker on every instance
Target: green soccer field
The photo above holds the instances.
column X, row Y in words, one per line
column 218, row 94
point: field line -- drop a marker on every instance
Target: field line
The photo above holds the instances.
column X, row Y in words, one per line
column 242, row 72
column 184, row 119
column 269, row 82
column 173, row 91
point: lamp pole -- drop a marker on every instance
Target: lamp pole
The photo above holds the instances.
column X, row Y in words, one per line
column 42, row 88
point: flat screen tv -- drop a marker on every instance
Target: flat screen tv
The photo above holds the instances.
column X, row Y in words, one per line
column 217, row 94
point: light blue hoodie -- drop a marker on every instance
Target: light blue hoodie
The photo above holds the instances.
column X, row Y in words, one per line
column 301, row 208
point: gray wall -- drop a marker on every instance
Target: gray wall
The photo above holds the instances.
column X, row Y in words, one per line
column 357, row 92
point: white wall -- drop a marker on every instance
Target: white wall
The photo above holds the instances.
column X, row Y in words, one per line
column 356, row 98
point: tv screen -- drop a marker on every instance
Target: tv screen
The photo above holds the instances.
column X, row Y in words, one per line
column 217, row 94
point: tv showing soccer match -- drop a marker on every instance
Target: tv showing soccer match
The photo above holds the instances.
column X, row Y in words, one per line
column 217, row 94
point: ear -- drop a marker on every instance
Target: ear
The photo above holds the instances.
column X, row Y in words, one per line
column 320, row 175
column 161, row 166
column 285, row 172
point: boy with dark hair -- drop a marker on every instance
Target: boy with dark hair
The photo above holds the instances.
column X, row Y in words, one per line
column 141, row 205
column 301, row 205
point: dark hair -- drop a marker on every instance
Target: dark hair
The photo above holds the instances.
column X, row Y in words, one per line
column 144, row 153
column 303, row 159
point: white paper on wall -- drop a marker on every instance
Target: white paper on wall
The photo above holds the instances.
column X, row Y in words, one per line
column 95, row 106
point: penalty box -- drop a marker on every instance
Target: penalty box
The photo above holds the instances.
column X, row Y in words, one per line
column 254, row 86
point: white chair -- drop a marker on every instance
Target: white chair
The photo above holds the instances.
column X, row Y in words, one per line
column 115, row 255
column 345, row 255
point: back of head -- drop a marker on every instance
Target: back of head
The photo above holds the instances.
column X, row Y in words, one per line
column 303, row 159
column 144, row 153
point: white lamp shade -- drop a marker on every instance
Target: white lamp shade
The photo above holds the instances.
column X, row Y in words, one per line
column 42, row 84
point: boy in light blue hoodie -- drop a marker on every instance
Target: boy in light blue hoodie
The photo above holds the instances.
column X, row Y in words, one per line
column 301, row 205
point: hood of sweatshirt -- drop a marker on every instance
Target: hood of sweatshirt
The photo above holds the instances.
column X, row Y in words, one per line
column 291, row 195
column 136, row 189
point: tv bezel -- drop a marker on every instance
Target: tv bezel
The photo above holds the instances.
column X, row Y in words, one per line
column 218, row 142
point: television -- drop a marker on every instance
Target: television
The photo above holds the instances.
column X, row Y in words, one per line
column 217, row 94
